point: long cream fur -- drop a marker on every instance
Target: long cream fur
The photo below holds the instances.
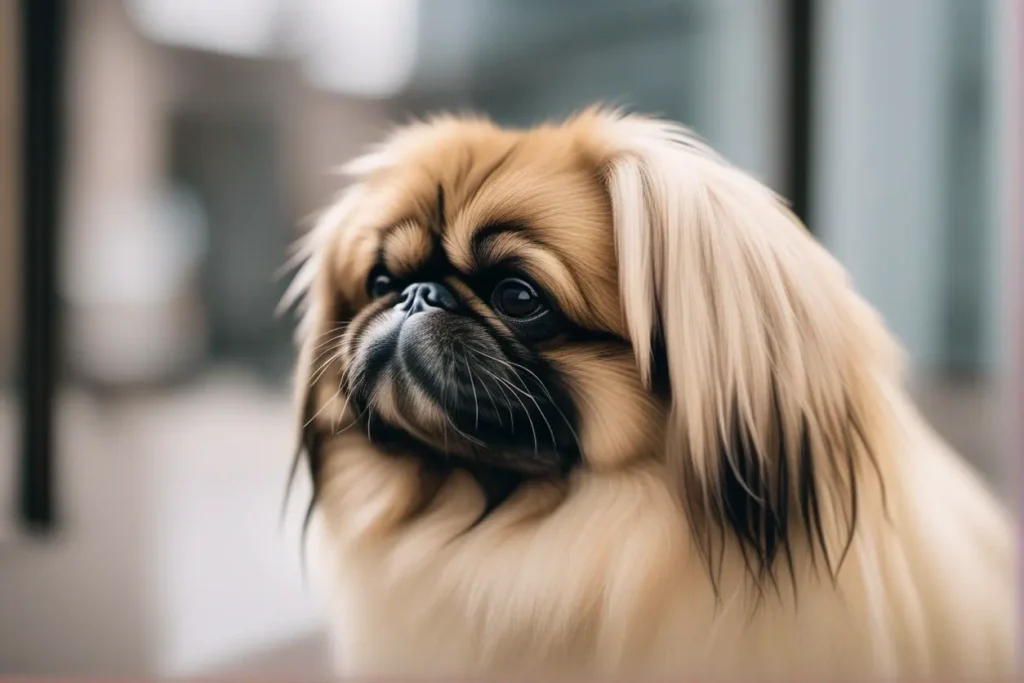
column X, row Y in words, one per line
column 911, row 572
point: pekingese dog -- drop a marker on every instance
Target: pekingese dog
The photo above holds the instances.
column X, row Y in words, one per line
column 587, row 399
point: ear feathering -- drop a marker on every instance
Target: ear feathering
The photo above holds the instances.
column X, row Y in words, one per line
column 306, row 260
column 760, row 333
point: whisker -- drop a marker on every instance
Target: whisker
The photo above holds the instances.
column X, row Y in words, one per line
column 334, row 331
column 351, row 424
column 341, row 413
column 476, row 401
column 323, row 407
column 528, row 394
column 322, row 370
column 330, row 337
column 536, row 444
column 494, row 405
column 339, row 326
column 544, row 388
column 464, row 435
column 525, row 391
column 508, row 404
column 324, row 353
column 327, row 345
column 510, row 364
column 451, row 378
column 444, row 411
column 327, row 356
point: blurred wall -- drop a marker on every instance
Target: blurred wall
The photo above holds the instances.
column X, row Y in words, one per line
column 716, row 66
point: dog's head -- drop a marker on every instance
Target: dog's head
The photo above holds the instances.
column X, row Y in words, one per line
column 591, row 294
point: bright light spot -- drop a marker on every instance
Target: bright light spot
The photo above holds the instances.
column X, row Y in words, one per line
column 364, row 48
column 238, row 27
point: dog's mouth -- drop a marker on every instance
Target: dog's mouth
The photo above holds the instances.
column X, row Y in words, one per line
column 446, row 383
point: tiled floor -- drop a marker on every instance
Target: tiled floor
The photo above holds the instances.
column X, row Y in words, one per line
column 171, row 542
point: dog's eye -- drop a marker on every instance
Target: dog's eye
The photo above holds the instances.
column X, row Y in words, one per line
column 379, row 283
column 516, row 299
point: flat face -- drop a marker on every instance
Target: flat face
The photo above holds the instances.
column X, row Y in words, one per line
column 476, row 312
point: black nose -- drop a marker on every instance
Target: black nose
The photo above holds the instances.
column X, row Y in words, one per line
column 423, row 296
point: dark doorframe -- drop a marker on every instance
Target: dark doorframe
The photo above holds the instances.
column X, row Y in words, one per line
column 42, row 46
column 800, row 29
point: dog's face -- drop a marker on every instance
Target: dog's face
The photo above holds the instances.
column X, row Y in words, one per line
column 476, row 313
column 592, row 294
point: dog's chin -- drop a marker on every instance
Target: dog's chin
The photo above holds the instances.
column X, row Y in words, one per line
column 439, row 386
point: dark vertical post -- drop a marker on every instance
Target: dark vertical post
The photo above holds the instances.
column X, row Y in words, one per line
column 800, row 73
column 41, row 123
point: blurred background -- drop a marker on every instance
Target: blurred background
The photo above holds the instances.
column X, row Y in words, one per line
column 157, row 157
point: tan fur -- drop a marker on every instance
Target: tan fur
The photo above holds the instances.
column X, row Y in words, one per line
column 628, row 567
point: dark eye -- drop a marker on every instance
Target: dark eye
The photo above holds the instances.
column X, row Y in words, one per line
column 515, row 298
column 379, row 283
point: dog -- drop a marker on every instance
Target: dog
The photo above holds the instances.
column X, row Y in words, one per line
column 586, row 398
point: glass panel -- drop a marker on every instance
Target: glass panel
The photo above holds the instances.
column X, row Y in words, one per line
column 907, row 154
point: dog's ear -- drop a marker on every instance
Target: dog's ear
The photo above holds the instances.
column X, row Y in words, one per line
column 764, row 351
column 322, row 313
